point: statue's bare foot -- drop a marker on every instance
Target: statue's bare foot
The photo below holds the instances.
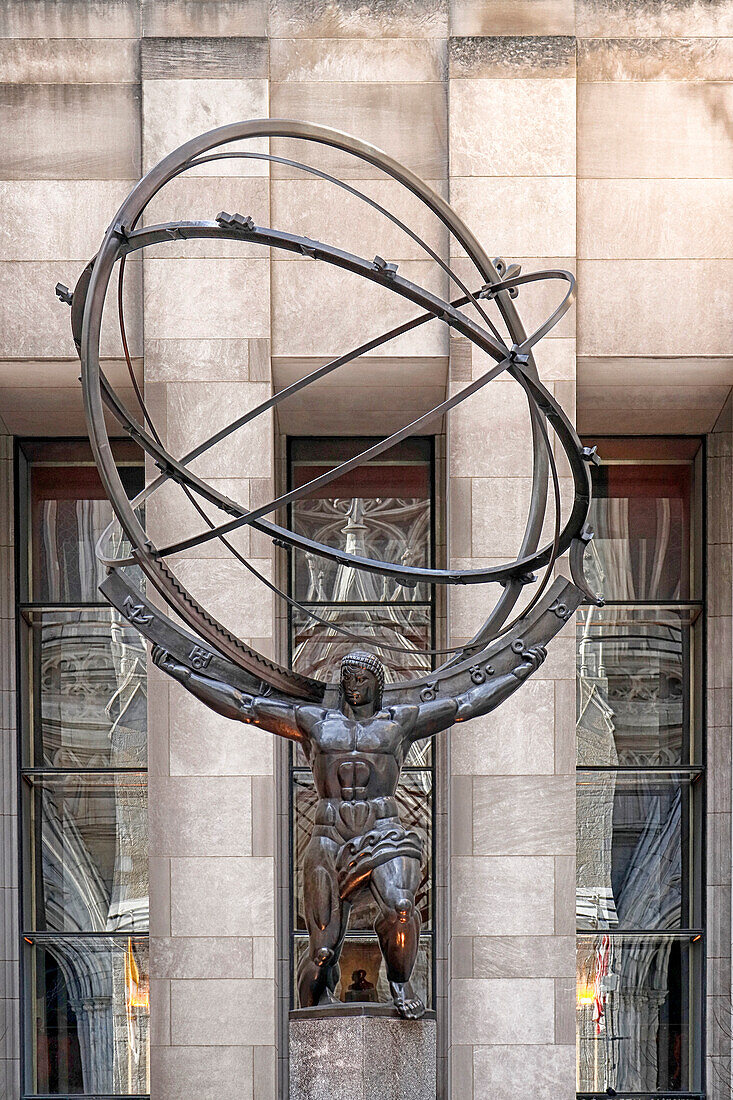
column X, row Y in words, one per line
column 327, row 998
column 405, row 1000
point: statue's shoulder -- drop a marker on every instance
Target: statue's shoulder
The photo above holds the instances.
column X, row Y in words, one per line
column 403, row 713
column 309, row 714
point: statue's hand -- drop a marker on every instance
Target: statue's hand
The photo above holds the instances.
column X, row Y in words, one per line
column 533, row 658
column 162, row 658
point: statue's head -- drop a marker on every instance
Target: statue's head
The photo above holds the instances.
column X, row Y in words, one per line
column 362, row 679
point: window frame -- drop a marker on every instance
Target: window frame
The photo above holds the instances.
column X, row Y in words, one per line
column 25, row 451
column 696, row 768
column 293, row 769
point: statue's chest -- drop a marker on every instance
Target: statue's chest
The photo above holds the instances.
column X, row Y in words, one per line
column 344, row 735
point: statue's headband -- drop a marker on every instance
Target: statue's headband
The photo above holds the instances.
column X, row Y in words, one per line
column 372, row 664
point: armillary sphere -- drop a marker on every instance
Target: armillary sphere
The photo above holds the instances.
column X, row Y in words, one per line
column 500, row 642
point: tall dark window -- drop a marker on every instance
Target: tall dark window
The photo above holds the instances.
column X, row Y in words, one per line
column 82, row 790
column 640, row 805
column 384, row 509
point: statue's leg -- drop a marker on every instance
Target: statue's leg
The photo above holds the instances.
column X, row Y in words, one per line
column 326, row 918
column 394, row 886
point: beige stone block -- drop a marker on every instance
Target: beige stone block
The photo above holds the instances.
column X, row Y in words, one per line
column 205, row 743
column 159, row 878
column 171, row 516
column 224, row 19
column 556, row 362
column 69, row 61
column 523, row 956
column 202, row 1072
column 35, row 325
column 201, row 957
column 212, row 584
column 407, row 121
column 497, row 1070
column 539, row 115
column 460, row 516
column 190, row 299
column 306, row 206
column 503, row 895
column 626, row 219
column 263, row 957
column 50, row 19
column 342, row 60
column 518, row 217
column 194, row 198
column 599, row 19
column 512, row 17
column 623, row 307
column 203, row 58
column 536, row 301
column 57, row 220
column 160, row 1013
column 694, row 59
column 62, row 131
column 512, row 56
column 196, row 360
column 177, row 110
column 337, row 19
column 214, row 896
column 516, row 739
column 345, row 310
column 500, row 509
column 197, row 410
column 218, row 1013
column 658, row 130
column 490, row 431
column 494, row 1012
column 200, row 816
column 524, row 815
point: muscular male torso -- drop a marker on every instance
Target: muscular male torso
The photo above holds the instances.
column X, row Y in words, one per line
column 356, row 760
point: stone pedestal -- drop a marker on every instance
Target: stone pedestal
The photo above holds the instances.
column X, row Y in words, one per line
column 361, row 1052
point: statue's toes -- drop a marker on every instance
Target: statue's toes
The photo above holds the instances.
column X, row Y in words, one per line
column 412, row 1010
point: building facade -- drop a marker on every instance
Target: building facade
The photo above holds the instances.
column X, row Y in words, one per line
column 577, row 901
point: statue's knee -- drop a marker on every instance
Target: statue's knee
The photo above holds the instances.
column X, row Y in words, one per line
column 405, row 908
column 323, row 956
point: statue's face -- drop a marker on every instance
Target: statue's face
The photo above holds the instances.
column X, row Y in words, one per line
column 359, row 686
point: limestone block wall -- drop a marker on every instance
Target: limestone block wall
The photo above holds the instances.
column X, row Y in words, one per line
column 211, row 789
column 719, row 727
column 512, row 176
column 655, row 161
column 9, row 1029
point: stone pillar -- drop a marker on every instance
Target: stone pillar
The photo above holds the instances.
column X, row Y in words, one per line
column 376, row 71
column 211, row 788
column 512, row 177
column 719, row 735
column 9, row 1032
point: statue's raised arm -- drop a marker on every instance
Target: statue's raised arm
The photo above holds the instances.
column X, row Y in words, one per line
column 435, row 716
column 268, row 714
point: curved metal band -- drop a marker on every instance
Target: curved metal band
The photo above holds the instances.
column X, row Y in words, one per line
column 95, row 384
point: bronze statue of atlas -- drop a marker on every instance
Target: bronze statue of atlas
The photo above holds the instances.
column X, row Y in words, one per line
column 356, row 730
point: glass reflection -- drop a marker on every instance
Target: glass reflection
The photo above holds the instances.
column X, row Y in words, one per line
column 415, row 801
column 634, row 676
column 362, row 953
column 641, row 517
column 633, row 851
column 69, row 512
column 89, row 683
column 88, row 1017
column 88, row 859
column 634, row 1022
